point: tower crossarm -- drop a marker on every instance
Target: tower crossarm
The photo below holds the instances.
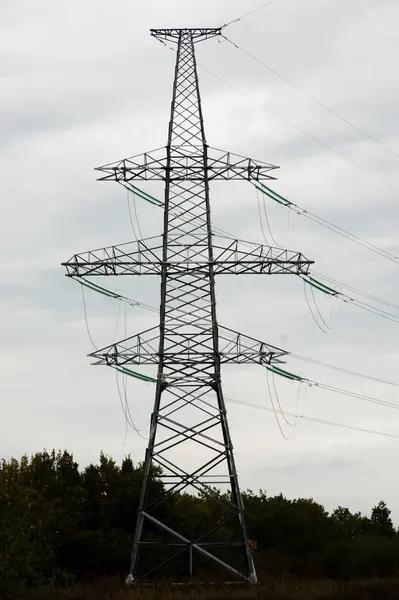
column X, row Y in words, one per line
column 191, row 348
column 144, row 257
column 237, row 257
column 186, row 164
column 198, row 34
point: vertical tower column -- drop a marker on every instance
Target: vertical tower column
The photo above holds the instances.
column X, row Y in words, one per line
column 189, row 447
column 189, row 414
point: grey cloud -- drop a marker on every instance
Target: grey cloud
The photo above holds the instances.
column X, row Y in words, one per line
column 86, row 85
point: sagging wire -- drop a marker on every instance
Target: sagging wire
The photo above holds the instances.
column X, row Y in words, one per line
column 278, row 401
column 86, row 319
column 125, row 407
column 311, row 281
column 318, row 310
column 287, row 438
column 333, row 367
column 266, row 218
column 309, row 383
column 283, row 413
column 125, row 402
column 126, row 410
column 298, row 414
column 136, row 215
column 124, row 380
column 268, row 224
column 260, row 219
column 130, row 216
column 311, row 310
column 340, row 295
column 284, row 373
column 357, row 291
column 310, row 419
column 123, row 376
column 131, row 302
column 301, row 413
column 282, row 201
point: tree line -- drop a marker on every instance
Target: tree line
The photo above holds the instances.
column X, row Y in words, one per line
column 59, row 523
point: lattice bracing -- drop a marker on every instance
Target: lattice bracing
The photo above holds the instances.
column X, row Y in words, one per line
column 193, row 348
column 189, row 436
column 144, row 257
column 221, row 165
column 174, row 35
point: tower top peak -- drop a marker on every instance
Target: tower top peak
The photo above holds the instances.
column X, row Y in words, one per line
column 198, row 34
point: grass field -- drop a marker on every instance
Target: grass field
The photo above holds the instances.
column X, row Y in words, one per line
column 275, row 589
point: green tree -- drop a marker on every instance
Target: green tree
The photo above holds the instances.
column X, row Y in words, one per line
column 348, row 525
column 381, row 520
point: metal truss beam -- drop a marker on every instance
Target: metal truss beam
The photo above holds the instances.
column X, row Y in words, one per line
column 198, row 35
column 192, row 348
column 186, row 165
column 144, row 257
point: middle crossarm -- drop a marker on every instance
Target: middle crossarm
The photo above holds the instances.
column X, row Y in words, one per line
column 235, row 347
column 144, row 257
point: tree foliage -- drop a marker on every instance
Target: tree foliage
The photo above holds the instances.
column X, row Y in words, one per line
column 59, row 523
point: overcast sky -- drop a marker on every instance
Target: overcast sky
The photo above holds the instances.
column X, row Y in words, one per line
column 84, row 84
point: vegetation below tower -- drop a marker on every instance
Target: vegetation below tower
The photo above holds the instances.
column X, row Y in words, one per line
column 61, row 525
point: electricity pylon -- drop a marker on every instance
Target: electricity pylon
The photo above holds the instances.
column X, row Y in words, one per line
column 189, row 421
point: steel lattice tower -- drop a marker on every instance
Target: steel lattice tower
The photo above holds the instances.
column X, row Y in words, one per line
column 189, row 346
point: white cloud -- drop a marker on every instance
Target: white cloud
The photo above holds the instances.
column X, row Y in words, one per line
column 83, row 85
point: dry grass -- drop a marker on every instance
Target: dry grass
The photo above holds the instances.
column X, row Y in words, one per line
column 274, row 589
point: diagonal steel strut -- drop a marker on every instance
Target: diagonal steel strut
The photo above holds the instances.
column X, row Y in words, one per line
column 189, row 434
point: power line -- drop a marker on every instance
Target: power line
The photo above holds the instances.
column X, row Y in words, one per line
column 267, row 221
column 296, row 127
column 151, row 308
column 344, row 297
column 296, row 87
column 309, row 135
column 251, row 12
column 342, row 370
column 313, row 419
column 327, row 224
column 302, row 417
column 86, row 319
column 278, row 411
column 357, row 291
column 126, row 409
column 312, row 282
column 311, row 310
column 308, row 382
column 337, row 390
column 334, row 228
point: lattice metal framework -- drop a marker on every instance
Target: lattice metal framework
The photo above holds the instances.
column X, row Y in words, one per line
column 189, row 434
